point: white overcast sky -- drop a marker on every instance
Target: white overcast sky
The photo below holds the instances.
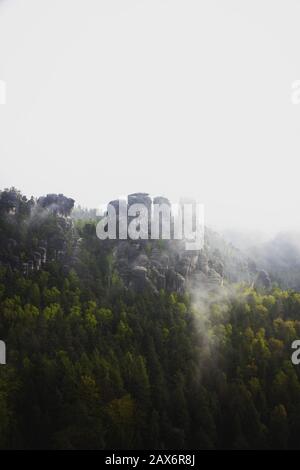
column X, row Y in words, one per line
column 171, row 97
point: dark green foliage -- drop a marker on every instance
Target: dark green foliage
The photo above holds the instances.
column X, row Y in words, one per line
column 91, row 365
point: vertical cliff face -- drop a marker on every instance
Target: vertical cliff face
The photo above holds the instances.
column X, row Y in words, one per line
column 171, row 267
column 166, row 264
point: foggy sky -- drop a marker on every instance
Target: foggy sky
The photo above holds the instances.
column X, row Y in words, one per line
column 172, row 97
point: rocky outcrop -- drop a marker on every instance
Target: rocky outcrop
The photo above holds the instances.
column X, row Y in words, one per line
column 166, row 264
column 142, row 264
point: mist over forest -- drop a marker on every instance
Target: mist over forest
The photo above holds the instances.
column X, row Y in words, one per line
column 119, row 331
column 140, row 344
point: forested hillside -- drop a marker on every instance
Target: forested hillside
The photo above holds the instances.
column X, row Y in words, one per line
column 93, row 364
